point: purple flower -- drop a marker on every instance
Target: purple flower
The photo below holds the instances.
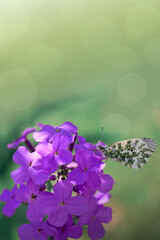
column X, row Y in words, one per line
column 96, row 215
column 30, row 167
column 87, row 164
column 62, row 183
column 96, row 182
column 37, row 231
column 61, row 204
column 11, row 202
column 81, row 139
column 106, row 183
column 90, row 147
column 31, row 193
column 54, row 154
column 47, row 132
column 68, row 230
column 22, row 138
column 102, row 198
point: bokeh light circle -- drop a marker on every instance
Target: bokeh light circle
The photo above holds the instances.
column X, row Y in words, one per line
column 4, row 43
column 152, row 51
column 42, row 59
column 14, row 19
column 87, row 75
column 124, row 58
column 32, row 4
column 99, row 35
column 116, row 124
column 17, row 90
column 141, row 20
column 70, row 9
column 38, row 30
column 132, row 89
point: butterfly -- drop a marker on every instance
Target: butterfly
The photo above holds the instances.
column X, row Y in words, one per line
column 133, row 153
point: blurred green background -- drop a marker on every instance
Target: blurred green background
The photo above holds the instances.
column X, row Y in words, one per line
column 94, row 63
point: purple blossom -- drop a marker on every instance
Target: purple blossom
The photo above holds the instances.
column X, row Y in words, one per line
column 61, row 182
column 31, row 193
column 11, row 202
column 81, row 139
column 68, row 230
column 61, row 204
column 90, row 147
column 22, row 138
column 47, row 132
column 30, row 167
column 96, row 182
column 54, row 154
column 102, row 198
column 106, row 183
column 87, row 164
column 37, row 231
column 96, row 215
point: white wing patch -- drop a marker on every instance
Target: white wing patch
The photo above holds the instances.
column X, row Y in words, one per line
column 132, row 153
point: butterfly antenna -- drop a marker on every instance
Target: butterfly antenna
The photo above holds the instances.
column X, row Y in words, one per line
column 102, row 134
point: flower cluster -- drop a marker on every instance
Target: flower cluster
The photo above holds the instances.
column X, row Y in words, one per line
column 61, row 180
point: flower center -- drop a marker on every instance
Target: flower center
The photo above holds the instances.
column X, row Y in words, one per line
column 30, row 164
column 56, row 153
column 33, row 196
column 39, row 230
column 85, row 169
column 62, row 203
column 57, row 130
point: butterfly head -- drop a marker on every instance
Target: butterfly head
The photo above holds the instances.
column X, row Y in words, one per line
column 101, row 145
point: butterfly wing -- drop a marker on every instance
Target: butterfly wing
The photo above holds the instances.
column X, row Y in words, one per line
column 132, row 153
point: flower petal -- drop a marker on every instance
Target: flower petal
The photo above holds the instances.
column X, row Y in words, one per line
column 74, row 231
column 106, row 183
column 59, row 218
column 48, row 230
column 32, row 188
column 64, row 157
column 7, row 210
column 85, row 219
column 28, row 131
column 60, row 142
column 69, row 127
column 93, row 181
column 83, row 158
column 97, row 167
column 15, row 143
column 104, row 214
column 45, row 134
column 95, row 229
column 102, row 198
column 44, row 148
column 35, row 159
column 26, row 232
column 63, row 190
column 78, row 176
column 21, row 156
column 49, row 164
column 33, row 213
column 22, row 194
column 81, row 139
column 20, row 175
column 5, row 196
column 39, row 177
column 77, row 205
column 46, row 204
column 61, row 235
